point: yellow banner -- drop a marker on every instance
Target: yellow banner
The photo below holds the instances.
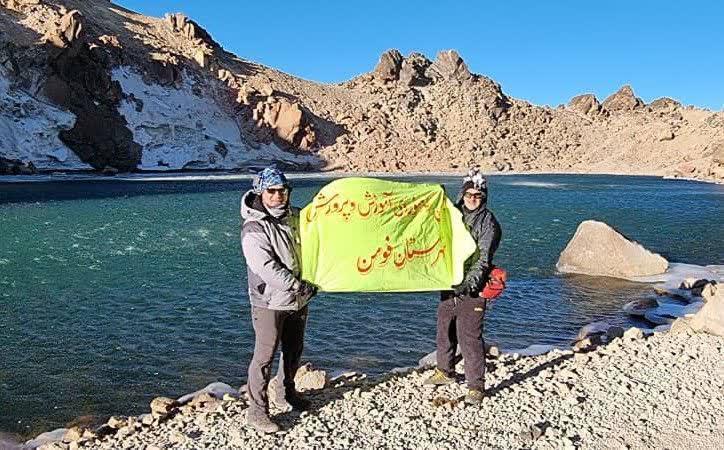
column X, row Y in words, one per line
column 365, row 234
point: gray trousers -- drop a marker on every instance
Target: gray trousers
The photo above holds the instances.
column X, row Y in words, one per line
column 272, row 327
column 460, row 320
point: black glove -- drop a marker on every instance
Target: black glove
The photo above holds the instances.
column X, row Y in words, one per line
column 471, row 286
column 307, row 289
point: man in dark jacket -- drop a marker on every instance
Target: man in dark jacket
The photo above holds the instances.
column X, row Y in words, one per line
column 271, row 246
column 461, row 311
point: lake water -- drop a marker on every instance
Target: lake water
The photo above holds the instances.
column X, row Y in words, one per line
column 114, row 292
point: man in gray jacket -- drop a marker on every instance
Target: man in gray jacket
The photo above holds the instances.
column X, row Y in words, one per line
column 271, row 246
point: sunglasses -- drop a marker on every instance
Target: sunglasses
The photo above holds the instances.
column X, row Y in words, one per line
column 280, row 191
column 469, row 195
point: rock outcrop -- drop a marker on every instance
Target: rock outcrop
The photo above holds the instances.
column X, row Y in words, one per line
column 449, row 66
column 622, row 100
column 388, row 69
column 599, row 250
column 586, row 104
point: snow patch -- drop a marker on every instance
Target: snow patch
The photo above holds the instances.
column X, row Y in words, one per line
column 678, row 272
column 180, row 129
column 29, row 130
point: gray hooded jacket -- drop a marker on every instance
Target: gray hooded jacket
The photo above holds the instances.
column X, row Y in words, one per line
column 272, row 251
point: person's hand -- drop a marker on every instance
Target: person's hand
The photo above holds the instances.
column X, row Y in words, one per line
column 307, row 289
column 460, row 289
column 470, row 287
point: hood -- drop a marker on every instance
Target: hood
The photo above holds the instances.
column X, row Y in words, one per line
column 251, row 207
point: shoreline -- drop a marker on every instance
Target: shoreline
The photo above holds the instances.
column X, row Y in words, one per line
column 557, row 399
column 220, row 175
column 222, row 400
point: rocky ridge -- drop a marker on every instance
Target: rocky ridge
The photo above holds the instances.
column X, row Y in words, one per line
column 408, row 114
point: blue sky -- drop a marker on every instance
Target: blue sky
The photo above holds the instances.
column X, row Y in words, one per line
column 541, row 51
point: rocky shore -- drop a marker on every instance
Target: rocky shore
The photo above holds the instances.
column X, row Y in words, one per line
column 661, row 391
column 614, row 388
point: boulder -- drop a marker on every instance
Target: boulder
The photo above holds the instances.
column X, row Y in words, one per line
column 162, row 406
column 599, row 250
column 289, row 123
column 388, row 68
column 598, row 328
column 449, row 66
column 586, row 104
column 308, row 378
column 116, row 422
column 623, row 100
column 639, row 307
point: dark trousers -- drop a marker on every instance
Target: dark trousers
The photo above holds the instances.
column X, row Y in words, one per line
column 460, row 320
column 272, row 327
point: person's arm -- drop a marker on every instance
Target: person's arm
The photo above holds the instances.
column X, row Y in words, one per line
column 261, row 259
column 477, row 274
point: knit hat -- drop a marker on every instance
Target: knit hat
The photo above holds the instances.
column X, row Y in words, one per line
column 475, row 180
column 271, row 176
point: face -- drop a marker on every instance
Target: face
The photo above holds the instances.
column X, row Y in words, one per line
column 472, row 199
column 275, row 196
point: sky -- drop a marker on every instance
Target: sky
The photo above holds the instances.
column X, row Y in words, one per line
column 541, row 51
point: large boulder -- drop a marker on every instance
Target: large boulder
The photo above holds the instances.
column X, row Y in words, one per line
column 623, row 100
column 599, row 250
column 289, row 123
column 388, row 68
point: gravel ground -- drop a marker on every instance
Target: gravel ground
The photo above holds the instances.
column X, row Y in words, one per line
column 664, row 391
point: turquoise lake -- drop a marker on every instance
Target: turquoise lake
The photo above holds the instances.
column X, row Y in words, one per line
column 114, row 292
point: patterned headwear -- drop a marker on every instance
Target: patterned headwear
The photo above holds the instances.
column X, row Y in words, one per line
column 475, row 180
column 271, row 176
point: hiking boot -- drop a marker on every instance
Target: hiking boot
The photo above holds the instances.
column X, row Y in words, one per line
column 439, row 378
column 260, row 421
column 298, row 402
column 474, row 397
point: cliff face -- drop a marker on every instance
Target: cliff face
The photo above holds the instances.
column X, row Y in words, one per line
column 90, row 85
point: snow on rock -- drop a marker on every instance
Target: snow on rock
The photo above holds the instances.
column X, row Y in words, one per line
column 29, row 130
column 180, row 129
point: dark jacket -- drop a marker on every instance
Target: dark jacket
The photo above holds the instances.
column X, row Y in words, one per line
column 486, row 232
column 272, row 250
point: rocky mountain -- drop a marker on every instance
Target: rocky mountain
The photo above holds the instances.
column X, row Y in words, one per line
column 89, row 85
